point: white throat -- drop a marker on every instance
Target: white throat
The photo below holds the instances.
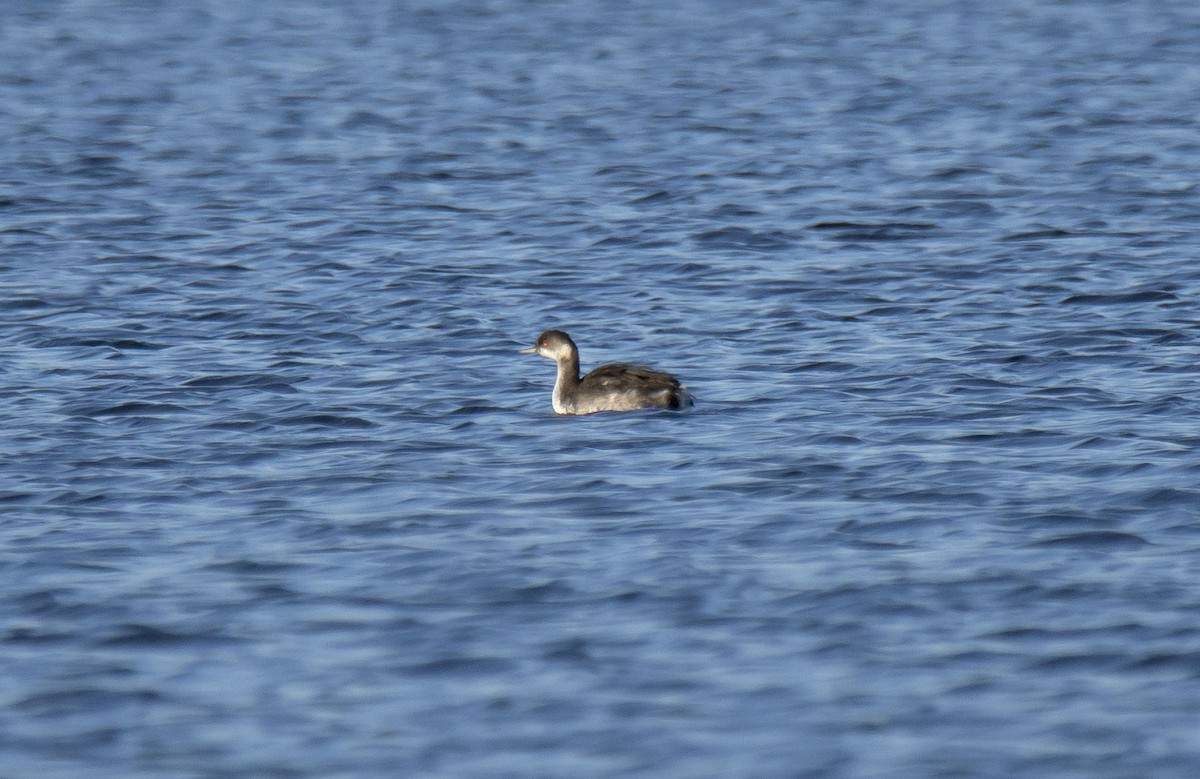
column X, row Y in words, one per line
column 559, row 399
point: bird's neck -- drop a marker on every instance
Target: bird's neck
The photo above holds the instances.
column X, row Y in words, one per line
column 568, row 379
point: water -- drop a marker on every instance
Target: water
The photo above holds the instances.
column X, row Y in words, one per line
column 280, row 499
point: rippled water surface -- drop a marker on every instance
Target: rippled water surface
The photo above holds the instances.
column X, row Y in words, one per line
column 280, row 499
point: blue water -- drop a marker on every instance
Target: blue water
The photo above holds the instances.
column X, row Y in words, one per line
column 280, row 499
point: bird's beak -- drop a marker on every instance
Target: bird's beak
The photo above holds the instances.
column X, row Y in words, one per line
column 530, row 350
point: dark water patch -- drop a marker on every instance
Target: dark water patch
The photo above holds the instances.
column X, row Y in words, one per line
column 823, row 366
column 743, row 238
column 1165, row 498
column 133, row 408
column 243, row 424
column 733, row 211
column 615, row 241
column 1089, row 661
column 1036, row 235
column 1061, row 633
column 1094, row 539
column 253, row 567
column 963, row 208
column 660, row 196
column 36, row 636
column 66, row 701
column 263, row 382
column 573, row 650
column 150, row 636
column 13, row 496
column 23, row 303
column 117, row 343
column 369, row 120
column 1104, row 299
column 1028, row 437
column 874, row 231
column 1185, row 662
column 466, row 665
column 271, row 592
column 893, row 311
column 330, row 420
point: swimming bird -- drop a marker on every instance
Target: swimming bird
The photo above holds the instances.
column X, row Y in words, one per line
column 616, row 387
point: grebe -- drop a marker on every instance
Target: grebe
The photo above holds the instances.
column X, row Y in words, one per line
column 616, row 387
